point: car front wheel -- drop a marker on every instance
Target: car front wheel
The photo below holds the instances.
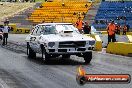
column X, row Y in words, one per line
column 45, row 55
column 65, row 56
column 87, row 57
column 31, row 53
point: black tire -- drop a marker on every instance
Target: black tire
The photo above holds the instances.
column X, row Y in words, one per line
column 0, row 37
column 31, row 53
column 66, row 56
column 87, row 57
column 45, row 55
column 55, row 56
column 27, row 48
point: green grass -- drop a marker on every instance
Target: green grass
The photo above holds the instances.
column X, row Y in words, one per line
column 40, row 0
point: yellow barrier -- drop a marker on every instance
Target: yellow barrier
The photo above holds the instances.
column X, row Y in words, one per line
column 127, row 33
column 98, row 45
column 129, row 38
column 13, row 26
column 22, row 31
column 16, row 30
column 119, row 48
column 104, row 32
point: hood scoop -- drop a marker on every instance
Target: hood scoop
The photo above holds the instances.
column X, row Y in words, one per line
column 67, row 33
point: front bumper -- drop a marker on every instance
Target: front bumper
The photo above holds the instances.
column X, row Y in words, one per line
column 72, row 51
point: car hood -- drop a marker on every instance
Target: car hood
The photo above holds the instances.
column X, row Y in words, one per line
column 94, row 31
column 59, row 38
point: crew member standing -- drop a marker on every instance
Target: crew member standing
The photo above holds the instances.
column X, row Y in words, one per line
column 5, row 31
column 124, row 30
column 79, row 24
column 118, row 29
column 111, row 32
column 86, row 28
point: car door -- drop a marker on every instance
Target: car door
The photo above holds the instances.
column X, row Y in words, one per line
column 34, row 38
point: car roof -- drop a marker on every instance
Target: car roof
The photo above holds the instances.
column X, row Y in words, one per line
column 55, row 24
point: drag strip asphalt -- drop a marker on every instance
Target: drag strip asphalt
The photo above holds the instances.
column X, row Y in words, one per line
column 17, row 71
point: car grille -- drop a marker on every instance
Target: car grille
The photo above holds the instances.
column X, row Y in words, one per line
column 81, row 49
column 62, row 50
column 72, row 44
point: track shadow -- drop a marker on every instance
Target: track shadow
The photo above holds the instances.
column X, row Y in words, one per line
column 55, row 61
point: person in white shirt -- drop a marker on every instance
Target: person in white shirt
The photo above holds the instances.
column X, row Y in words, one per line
column 5, row 31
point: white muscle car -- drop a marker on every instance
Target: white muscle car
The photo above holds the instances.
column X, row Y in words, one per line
column 55, row 39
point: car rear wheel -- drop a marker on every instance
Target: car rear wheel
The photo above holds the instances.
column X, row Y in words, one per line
column 87, row 57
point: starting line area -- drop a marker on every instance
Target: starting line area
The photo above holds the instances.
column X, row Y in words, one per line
column 120, row 48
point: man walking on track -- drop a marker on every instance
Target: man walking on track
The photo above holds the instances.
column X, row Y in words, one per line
column 5, row 31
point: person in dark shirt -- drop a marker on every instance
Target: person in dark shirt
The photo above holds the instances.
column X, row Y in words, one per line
column 6, row 21
column 86, row 28
column 128, row 27
column 124, row 30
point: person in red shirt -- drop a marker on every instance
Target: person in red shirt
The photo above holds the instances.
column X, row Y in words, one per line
column 111, row 32
column 79, row 24
column 117, row 28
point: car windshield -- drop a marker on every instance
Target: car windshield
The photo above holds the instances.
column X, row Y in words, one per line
column 48, row 29
column 54, row 29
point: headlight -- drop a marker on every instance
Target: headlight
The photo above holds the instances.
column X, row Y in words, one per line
column 91, row 42
column 51, row 44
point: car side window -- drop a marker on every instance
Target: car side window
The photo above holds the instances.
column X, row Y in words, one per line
column 39, row 32
column 48, row 29
column 35, row 30
column 32, row 31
